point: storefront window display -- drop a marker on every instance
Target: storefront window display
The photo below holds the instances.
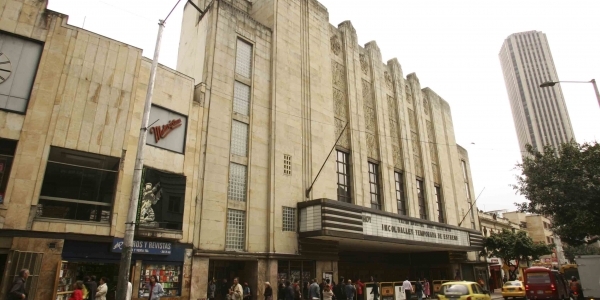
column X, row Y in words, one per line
column 169, row 276
column 71, row 271
column 296, row 269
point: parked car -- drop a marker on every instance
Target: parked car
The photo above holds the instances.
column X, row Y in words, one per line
column 514, row 289
column 463, row 290
column 543, row 283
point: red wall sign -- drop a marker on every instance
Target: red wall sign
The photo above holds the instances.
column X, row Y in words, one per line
column 160, row 132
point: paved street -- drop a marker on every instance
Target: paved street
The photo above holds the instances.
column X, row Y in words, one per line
column 496, row 295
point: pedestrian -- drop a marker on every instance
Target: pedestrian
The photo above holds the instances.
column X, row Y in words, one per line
column 289, row 291
column 268, row 291
column 297, row 290
column 504, row 279
column 247, row 291
column 17, row 290
column 375, row 289
column 350, row 290
column 224, row 289
column 91, row 287
column 102, row 289
column 129, row 291
column 575, row 287
column 155, row 288
column 212, row 289
column 314, row 291
column 281, row 290
column 407, row 287
column 327, row 293
column 77, row 291
column 419, row 289
column 360, row 286
column 427, row 288
column 305, row 288
column 340, row 290
column 236, row 292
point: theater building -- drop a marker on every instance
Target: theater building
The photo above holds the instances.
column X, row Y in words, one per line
column 283, row 88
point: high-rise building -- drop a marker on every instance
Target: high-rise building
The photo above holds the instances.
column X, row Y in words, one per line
column 540, row 114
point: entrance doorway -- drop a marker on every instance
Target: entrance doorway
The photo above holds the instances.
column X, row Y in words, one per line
column 224, row 271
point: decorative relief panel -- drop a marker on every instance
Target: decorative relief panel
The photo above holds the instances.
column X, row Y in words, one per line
column 397, row 153
column 394, row 131
column 411, row 120
column 408, row 93
column 369, row 119
column 436, row 173
column 364, row 64
column 344, row 139
column 388, row 80
column 414, row 137
column 336, row 46
column 339, row 78
column 432, row 145
column 367, row 95
column 418, row 166
column 339, row 102
column 372, row 149
column 391, row 102
column 426, row 105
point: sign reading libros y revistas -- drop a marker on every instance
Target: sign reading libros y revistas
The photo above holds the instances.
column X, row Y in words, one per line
column 143, row 247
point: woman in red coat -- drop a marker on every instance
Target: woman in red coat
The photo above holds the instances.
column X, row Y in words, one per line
column 77, row 291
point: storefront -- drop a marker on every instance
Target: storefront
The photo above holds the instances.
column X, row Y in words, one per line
column 392, row 247
column 162, row 259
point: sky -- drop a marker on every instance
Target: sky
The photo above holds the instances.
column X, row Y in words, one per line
column 452, row 46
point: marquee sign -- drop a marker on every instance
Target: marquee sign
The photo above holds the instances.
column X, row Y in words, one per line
column 332, row 218
column 170, row 132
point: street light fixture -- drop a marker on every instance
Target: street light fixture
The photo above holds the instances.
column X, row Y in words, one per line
column 593, row 82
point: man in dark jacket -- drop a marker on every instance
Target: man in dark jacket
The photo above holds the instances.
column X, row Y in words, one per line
column 281, row 290
column 91, row 286
column 289, row 291
column 17, row 290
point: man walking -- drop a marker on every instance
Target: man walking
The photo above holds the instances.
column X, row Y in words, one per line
column 350, row 290
column 314, row 291
column 17, row 291
column 407, row 287
column 419, row 289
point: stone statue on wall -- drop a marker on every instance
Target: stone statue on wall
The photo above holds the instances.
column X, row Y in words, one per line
column 151, row 195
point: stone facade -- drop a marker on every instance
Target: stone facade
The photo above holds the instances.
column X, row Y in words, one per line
column 313, row 87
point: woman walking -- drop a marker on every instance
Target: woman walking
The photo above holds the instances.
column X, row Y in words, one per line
column 77, row 291
column 327, row 293
column 268, row 291
column 427, row 288
column 155, row 289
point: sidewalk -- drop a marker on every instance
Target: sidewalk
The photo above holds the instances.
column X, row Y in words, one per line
column 496, row 295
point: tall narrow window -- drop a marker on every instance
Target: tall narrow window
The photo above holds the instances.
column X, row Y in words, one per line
column 236, row 230
column 289, row 219
column 421, row 198
column 243, row 59
column 239, row 138
column 374, row 186
column 400, row 197
column 241, row 98
column 237, row 182
column 440, row 204
column 343, row 176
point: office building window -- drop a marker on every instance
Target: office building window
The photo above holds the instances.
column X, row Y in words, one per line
column 239, row 138
column 237, row 182
column 7, row 153
column 400, row 196
column 287, row 164
column 236, row 230
column 421, row 199
column 289, row 218
column 343, row 176
column 78, row 186
column 374, row 186
column 243, row 59
column 440, row 204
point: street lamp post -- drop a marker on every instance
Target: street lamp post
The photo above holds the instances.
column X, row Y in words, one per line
column 593, row 82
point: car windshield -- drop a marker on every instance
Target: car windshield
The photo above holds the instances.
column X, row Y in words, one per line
column 455, row 290
column 512, row 283
column 538, row 278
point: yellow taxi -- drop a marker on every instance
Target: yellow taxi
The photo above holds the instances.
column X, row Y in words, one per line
column 514, row 289
column 463, row 290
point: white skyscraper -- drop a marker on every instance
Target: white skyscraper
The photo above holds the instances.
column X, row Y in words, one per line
column 540, row 114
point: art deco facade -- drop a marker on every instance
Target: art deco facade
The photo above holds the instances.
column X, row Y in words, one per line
column 540, row 114
column 233, row 184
